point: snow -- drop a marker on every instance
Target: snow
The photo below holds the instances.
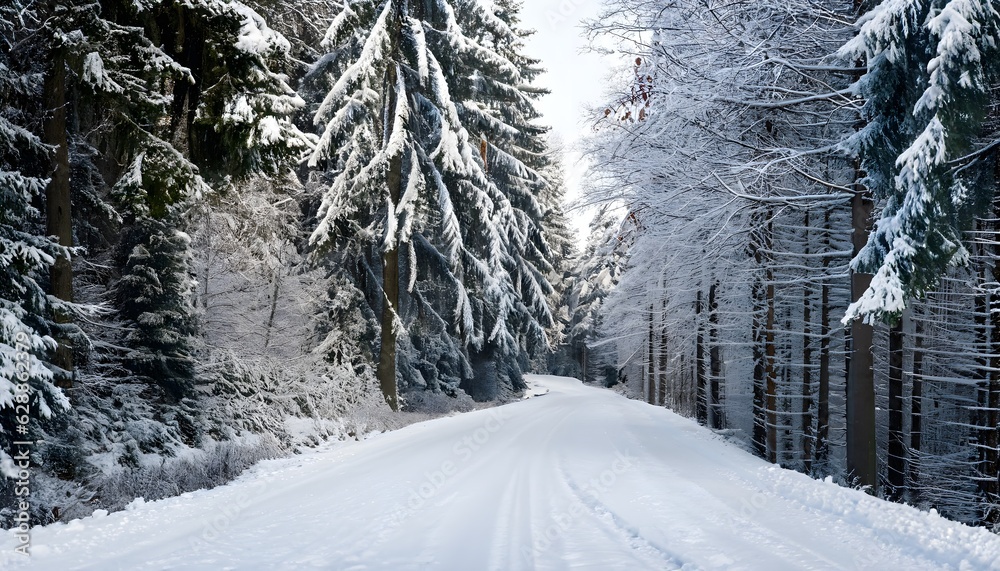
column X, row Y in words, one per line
column 256, row 36
column 576, row 478
column 95, row 75
column 238, row 111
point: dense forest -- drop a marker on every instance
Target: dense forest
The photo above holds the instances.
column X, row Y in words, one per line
column 230, row 229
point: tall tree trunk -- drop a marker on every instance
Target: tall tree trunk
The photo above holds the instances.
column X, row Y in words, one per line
column 681, row 392
column 386, row 371
column 823, row 396
column 662, row 386
column 807, row 395
column 916, row 414
column 651, row 362
column 771, row 370
column 759, row 309
column 59, row 218
column 275, row 290
column 896, row 462
column 189, row 51
column 715, row 359
column 699, row 362
column 861, row 458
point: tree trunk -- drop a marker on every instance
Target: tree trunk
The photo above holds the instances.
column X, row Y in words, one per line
column 771, row 385
column 662, row 386
column 759, row 308
column 701, row 393
column 896, row 462
column 189, row 51
column 715, row 359
column 275, row 290
column 823, row 396
column 59, row 219
column 650, row 365
column 916, row 414
column 807, row 397
column 386, row 371
column 861, row 458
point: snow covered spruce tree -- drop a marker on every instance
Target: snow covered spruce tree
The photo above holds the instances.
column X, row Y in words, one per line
column 597, row 270
column 930, row 65
column 445, row 252
column 27, row 255
column 496, row 103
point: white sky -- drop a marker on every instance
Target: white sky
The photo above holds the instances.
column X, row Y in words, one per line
column 576, row 78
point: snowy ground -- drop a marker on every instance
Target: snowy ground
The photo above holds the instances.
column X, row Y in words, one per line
column 576, row 478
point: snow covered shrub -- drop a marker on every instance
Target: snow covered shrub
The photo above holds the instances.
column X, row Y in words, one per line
column 295, row 405
column 287, row 347
column 205, row 468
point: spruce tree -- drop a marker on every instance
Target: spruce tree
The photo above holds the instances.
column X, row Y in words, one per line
column 27, row 254
column 498, row 103
column 930, row 65
column 411, row 193
column 596, row 272
column 154, row 296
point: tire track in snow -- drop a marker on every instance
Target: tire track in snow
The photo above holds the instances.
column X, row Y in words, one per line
column 657, row 557
column 457, row 507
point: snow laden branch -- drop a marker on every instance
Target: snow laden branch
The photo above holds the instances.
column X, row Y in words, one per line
column 953, row 48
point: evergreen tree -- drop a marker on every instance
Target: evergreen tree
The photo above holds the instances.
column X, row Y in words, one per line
column 561, row 244
column 136, row 165
column 930, row 66
column 596, row 271
column 498, row 105
column 409, row 181
column 155, row 297
column 26, row 253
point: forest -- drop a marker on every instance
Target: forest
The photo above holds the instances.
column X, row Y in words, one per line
column 231, row 229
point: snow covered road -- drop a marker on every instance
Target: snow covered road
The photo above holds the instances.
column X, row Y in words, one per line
column 579, row 478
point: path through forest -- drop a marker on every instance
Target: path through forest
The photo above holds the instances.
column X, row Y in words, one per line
column 577, row 478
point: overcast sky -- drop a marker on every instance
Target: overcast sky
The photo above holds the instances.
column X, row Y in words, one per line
column 576, row 78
